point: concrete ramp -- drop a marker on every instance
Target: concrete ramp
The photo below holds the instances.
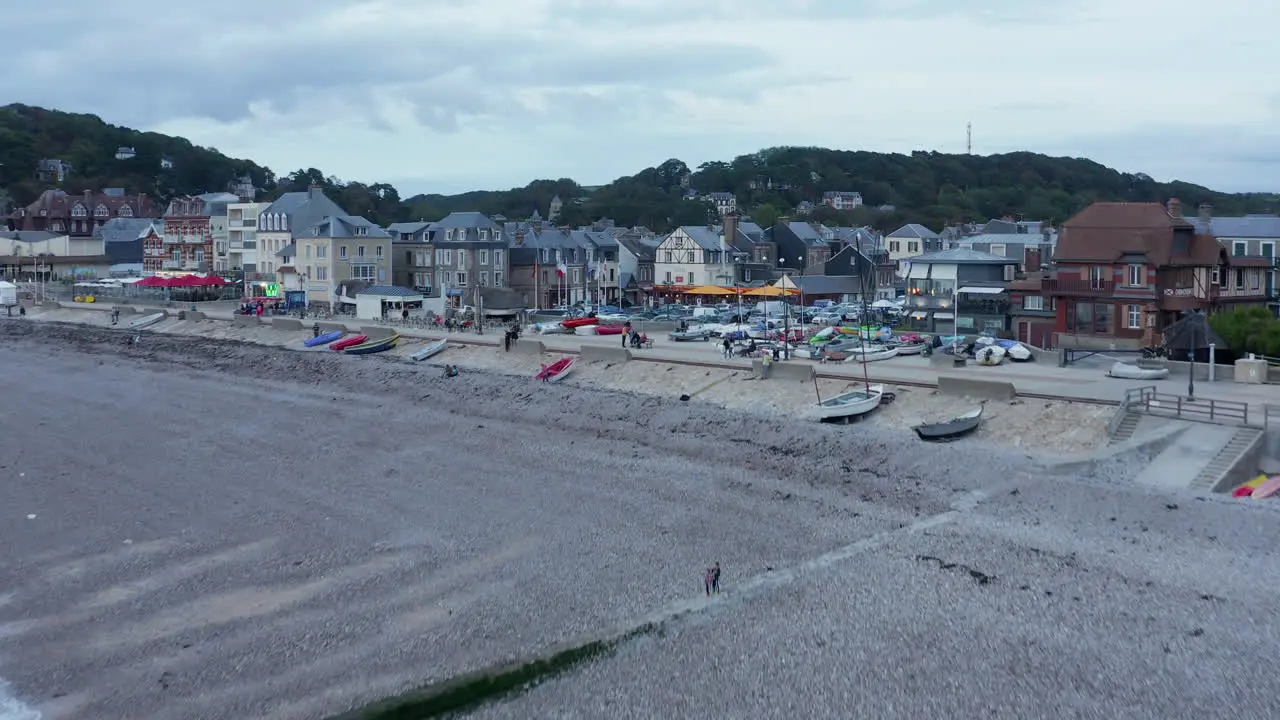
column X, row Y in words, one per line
column 788, row 370
column 245, row 321
column 376, row 332
column 1180, row 464
column 530, row 347
column 286, row 323
column 605, row 353
column 974, row 388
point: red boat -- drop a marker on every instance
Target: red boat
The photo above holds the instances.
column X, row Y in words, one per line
column 609, row 329
column 556, row 370
column 579, row 322
column 349, row 342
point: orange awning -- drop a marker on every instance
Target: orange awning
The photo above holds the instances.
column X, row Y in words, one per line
column 708, row 290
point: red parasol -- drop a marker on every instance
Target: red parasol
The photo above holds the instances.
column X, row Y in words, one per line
column 185, row 281
column 154, row 281
column 215, row 280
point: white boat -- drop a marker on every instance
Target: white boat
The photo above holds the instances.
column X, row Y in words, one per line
column 1018, row 352
column 870, row 353
column 989, row 355
column 147, row 321
column 1134, row 372
column 910, row 349
column 850, row 405
column 432, row 348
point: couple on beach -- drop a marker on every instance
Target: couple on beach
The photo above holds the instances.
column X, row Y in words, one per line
column 712, row 580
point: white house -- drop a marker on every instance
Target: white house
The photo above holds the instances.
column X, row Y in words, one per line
column 695, row 255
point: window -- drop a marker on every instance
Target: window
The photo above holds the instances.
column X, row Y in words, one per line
column 1268, row 249
column 363, row 272
column 461, row 280
column 177, row 255
column 1033, row 302
column 1217, row 276
column 1136, row 273
column 497, row 261
column 1102, row 319
column 1255, row 279
column 484, row 257
column 409, row 258
column 484, row 279
column 322, row 273
column 484, row 234
column 322, row 252
column 691, row 282
column 1134, row 319
column 199, row 255
column 668, row 278
column 913, row 246
column 382, row 274
column 997, row 249
column 359, row 251
column 1239, row 248
column 1080, row 317
column 448, row 257
column 497, row 278
column 342, row 252
column 361, row 231
column 1239, row 279
column 306, row 252
column 1098, row 277
column 101, row 211
column 574, row 275
column 379, row 252
column 78, row 211
column 894, row 246
column 126, row 211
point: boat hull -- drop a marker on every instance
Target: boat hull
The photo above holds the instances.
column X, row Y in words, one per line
column 349, row 342
column 1125, row 371
column 146, row 321
column 556, row 371
column 579, row 322
column 609, row 329
column 847, row 406
column 323, row 339
column 430, row 350
column 690, row 336
column 950, row 430
column 373, row 346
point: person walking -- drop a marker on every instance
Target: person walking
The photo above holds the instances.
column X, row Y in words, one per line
column 626, row 332
column 715, row 579
column 728, row 348
column 115, row 316
column 766, row 362
column 707, row 580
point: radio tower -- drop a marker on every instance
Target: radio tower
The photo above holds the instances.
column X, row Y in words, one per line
column 968, row 144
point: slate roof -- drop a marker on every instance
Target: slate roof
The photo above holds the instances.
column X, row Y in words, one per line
column 464, row 220
column 389, row 291
column 340, row 226
column 705, row 238
column 806, row 233
column 1107, row 230
column 914, row 230
column 962, row 256
column 30, row 236
column 1248, row 226
column 305, row 210
column 290, row 250
column 828, row 284
column 118, row 230
column 644, row 252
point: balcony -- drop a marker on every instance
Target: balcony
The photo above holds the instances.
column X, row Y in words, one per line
column 251, row 224
column 184, row 239
column 1080, row 288
column 1234, row 293
column 172, row 265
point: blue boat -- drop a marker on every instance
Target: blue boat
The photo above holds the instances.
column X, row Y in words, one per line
column 323, row 339
column 370, row 347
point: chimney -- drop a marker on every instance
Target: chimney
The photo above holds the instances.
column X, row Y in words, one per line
column 1175, row 208
column 1206, row 215
column 315, row 191
column 731, row 228
column 1031, row 259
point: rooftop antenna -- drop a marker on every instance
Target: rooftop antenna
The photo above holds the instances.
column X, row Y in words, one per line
column 968, row 145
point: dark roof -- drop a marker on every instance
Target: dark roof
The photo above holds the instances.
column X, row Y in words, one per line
column 1107, row 231
column 389, row 291
column 828, row 284
column 961, row 256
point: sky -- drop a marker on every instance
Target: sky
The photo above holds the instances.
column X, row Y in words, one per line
column 448, row 96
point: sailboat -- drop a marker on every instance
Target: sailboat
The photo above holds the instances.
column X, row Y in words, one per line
column 860, row 401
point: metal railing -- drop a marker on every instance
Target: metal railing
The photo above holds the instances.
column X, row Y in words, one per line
column 1121, row 413
column 1079, row 287
column 1151, row 402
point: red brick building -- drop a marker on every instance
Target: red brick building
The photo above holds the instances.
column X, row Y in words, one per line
column 1032, row 313
column 188, row 237
column 80, row 215
column 1125, row 271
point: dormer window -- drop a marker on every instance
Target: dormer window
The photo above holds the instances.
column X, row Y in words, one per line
column 126, row 211
column 484, row 234
column 79, row 211
column 362, row 231
column 101, row 211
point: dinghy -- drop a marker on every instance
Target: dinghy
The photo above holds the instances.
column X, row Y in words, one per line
column 323, row 339
column 989, row 355
column 910, row 349
column 689, row 336
column 870, row 353
column 852, row 404
column 952, row 429
column 431, row 348
column 147, row 321
column 579, row 322
column 556, row 371
column 370, row 347
column 1125, row 371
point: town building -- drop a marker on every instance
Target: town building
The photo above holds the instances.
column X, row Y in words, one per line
column 842, row 200
column 637, row 252
column 1032, row 312
column 693, row 255
column 41, row 255
column 190, row 223
column 80, row 215
column 959, row 291
column 413, row 257
column 725, row 202
column 125, row 241
column 239, row 252
column 1250, row 241
column 1125, row 271
column 471, row 253
column 911, row 240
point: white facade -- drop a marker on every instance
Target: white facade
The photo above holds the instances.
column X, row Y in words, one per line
column 680, row 260
column 240, row 250
column 60, row 246
column 842, row 200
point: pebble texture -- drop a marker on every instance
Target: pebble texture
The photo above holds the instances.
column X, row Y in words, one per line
column 196, row 528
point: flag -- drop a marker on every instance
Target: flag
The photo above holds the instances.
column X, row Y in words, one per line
column 562, row 269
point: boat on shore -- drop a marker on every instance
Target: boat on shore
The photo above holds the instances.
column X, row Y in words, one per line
column 556, row 371
column 430, row 349
column 370, row 347
column 1125, row 371
column 348, row 342
column 579, row 322
column 870, row 353
column 849, row 405
column 689, row 336
column 609, row 329
column 909, row 348
column 146, row 321
column 989, row 355
column 952, row 429
column 325, row 339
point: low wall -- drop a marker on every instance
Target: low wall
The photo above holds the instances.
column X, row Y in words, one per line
column 286, row 323
column 328, row 327
column 786, row 370
column 530, row 347
column 1245, row 466
column 1221, row 373
column 975, row 388
column 245, row 320
column 126, row 309
column 191, row 315
column 375, row 332
column 941, row 359
column 605, row 353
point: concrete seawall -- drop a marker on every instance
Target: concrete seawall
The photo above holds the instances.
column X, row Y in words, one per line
column 328, row 327
column 375, row 332
column 786, row 370
column 286, row 323
column 193, row 315
column 605, row 353
column 529, row 347
column 975, row 388
column 245, row 320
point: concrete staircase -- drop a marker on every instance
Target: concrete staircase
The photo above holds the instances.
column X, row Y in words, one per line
column 1243, row 442
column 1124, row 431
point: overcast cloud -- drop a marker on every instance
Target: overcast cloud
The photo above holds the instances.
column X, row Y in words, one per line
column 445, row 95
